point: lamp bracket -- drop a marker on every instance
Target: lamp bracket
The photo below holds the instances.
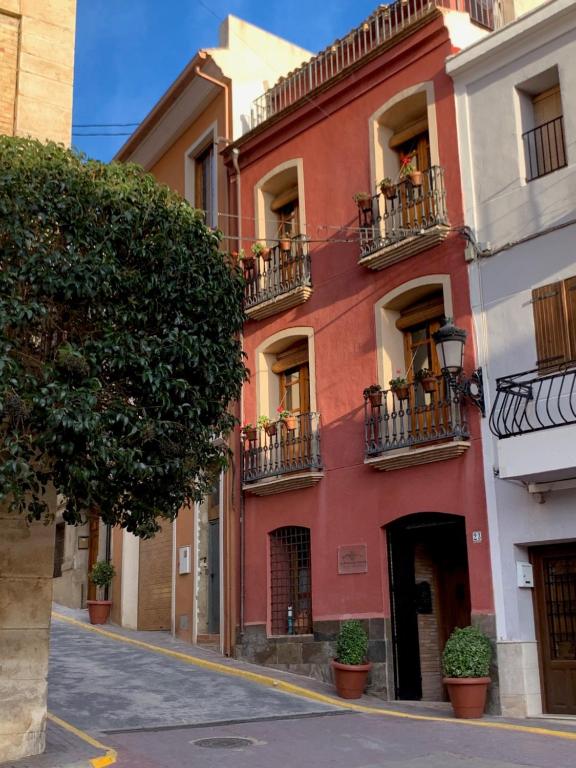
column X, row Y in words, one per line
column 471, row 387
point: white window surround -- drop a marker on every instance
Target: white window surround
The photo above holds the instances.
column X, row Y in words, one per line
column 265, row 226
column 389, row 340
column 383, row 160
column 208, row 137
column 267, row 383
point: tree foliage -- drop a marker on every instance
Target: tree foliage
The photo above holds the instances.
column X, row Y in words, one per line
column 119, row 348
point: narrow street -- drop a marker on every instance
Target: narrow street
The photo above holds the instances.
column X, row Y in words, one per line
column 152, row 705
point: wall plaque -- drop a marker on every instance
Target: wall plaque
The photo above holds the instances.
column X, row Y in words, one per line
column 352, row 558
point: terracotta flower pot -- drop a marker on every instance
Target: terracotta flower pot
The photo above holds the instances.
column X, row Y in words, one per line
column 290, row 422
column 285, row 244
column 350, row 679
column 271, row 429
column 467, row 695
column 375, row 399
column 415, row 178
column 99, row 611
column 401, row 392
column 428, row 384
column 250, row 433
column 389, row 191
column 364, row 202
column 266, row 254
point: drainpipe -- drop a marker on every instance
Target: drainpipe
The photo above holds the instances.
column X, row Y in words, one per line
column 220, row 84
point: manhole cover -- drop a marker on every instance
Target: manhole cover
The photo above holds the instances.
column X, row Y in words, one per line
column 224, row 742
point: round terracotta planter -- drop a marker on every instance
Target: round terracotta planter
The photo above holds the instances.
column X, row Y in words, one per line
column 428, row 384
column 285, row 245
column 290, row 422
column 415, row 178
column 467, row 695
column 99, row 611
column 389, row 192
column 270, row 429
column 350, row 679
column 250, row 434
column 401, row 392
column 375, row 399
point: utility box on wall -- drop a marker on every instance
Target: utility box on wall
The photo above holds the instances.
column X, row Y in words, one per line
column 184, row 558
column 525, row 574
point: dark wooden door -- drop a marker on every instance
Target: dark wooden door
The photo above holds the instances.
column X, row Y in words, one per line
column 214, row 577
column 555, row 598
column 93, row 544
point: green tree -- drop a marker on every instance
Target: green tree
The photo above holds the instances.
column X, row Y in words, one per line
column 119, row 347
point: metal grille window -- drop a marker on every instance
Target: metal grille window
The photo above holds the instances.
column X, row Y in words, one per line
column 290, row 576
column 560, row 596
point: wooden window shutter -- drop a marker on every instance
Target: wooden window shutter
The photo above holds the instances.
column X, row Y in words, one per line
column 552, row 345
column 570, row 294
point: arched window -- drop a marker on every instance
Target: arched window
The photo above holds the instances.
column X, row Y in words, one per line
column 290, row 581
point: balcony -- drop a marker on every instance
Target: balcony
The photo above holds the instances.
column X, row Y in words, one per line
column 379, row 30
column 280, row 281
column 544, row 149
column 395, row 228
column 535, row 418
column 285, row 460
column 414, row 426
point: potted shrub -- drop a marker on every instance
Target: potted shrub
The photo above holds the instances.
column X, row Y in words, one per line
column 287, row 418
column 267, row 425
column 363, row 200
column 466, row 667
column 409, row 171
column 374, row 394
column 101, row 576
column 259, row 249
column 427, row 379
column 351, row 666
column 399, row 385
column 250, row 432
column 388, row 188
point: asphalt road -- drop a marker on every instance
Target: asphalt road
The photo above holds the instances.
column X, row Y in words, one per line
column 157, row 712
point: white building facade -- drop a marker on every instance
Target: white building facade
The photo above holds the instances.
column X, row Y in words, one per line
column 516, row 102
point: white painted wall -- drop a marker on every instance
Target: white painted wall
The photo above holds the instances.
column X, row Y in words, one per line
column 129, row 588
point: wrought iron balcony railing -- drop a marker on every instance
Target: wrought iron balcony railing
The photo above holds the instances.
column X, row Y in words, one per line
column 383, row 25
column 544, row 149
column 386, row 220
column 528, row 402
column 283, row 452
column 281, row 271
column 412, row 417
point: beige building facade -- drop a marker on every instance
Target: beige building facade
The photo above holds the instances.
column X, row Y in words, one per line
column 36, row 75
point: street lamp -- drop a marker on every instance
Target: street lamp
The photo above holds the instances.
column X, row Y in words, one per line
column 450, row 341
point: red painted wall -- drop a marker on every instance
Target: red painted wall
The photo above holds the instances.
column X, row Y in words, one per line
column 353, row 502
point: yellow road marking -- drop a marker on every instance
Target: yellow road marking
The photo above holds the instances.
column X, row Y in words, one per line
column 282, row 685
column 109, row 758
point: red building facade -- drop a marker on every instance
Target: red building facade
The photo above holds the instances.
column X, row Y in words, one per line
column 359, row 506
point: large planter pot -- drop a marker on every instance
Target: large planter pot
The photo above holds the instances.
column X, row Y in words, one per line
column 467, row 695
column 99, row 611
column 350, row 680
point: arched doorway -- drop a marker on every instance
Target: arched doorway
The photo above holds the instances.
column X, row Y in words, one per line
column 429, row 597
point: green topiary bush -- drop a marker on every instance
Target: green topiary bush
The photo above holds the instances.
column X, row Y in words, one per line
column 467, row 653
column 102, row 574
column 352, row 644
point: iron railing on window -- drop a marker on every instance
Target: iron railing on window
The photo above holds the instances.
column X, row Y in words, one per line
column 544, row 149
column 284, row 451
column 280, row 272
column 412, row 417
column 383, row 25
column 290, row 581
column 528, row 402
column 384, row 221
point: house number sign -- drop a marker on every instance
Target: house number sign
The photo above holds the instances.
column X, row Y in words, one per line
column 352, row 558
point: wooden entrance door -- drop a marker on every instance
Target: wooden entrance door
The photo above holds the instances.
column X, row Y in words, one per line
column 555, row 598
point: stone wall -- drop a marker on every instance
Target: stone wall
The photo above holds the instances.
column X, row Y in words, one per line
column 26, row 565
column 311, row 655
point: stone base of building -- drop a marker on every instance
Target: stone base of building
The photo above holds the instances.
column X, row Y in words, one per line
column 312, row 654
column 486, row 622
column 520, row 686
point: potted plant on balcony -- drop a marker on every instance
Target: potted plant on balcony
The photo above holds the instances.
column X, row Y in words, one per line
column 101, row 576
column 399, row 385
column 374, row 394
column 285, row 244
column 250, row 432
column 388, row 188
column 259, row 249
column 408, row 170
column 466, row 666
column 427, row 379
column 287, row 418
column 351, row 666
column 363, row 200
column 267, row 425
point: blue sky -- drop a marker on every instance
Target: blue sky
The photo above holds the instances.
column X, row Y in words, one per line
column 128, row 52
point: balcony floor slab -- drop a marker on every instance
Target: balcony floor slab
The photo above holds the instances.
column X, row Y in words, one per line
column 404, row 249
column 279, row 303
column 411, row 457
column 282, row 483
